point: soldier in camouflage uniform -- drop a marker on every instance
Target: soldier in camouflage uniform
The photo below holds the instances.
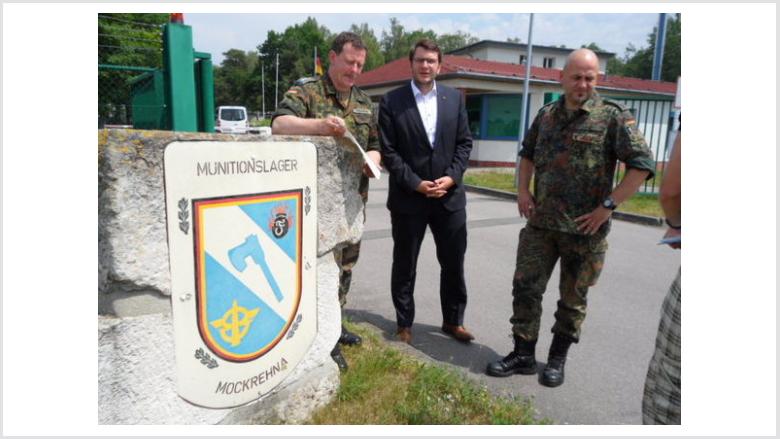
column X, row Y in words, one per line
column 329, row 106
column 572, row 146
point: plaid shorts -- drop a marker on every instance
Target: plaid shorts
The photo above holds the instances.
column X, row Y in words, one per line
column 661, row 402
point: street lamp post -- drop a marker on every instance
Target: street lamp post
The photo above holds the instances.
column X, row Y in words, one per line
column 524, row 110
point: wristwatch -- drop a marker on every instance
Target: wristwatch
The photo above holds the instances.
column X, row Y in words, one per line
column 609, row 203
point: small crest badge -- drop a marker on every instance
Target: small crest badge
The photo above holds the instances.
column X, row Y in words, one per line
column 280, row 221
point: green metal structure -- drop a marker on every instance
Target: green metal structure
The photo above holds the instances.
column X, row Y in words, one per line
column 204, row 81
column 178, row 62
column 178, row 97
column 147, row 93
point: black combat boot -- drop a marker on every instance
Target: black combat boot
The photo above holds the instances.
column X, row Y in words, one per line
column 338, row 358
column 348, row 338
column 552, row 376
column 521, row 360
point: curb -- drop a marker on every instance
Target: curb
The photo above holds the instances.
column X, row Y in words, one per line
column 623, row 216
column 638, row 219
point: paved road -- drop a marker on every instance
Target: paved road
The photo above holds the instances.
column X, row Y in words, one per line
column 605, row 371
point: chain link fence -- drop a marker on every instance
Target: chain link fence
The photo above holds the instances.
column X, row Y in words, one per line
column 130, row 49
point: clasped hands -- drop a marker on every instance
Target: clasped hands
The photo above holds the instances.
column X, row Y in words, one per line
column 436, row 188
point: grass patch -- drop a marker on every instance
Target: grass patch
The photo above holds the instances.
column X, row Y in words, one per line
column 260, row 122
column 501, row 180
column 642, row 204
column 385, row 386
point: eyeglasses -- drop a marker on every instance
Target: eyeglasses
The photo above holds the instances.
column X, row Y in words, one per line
column 426, row 60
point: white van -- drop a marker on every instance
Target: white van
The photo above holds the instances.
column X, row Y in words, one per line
column 232, row 120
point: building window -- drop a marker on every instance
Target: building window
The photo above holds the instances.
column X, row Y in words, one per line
column 550, row 97
column 474, row 110
column 503, row 116
column 494, row 117
column 549, row 63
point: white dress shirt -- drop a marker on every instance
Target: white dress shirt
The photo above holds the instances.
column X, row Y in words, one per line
column 426, row 104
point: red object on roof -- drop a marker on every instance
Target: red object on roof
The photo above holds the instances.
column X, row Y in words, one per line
column 399, row 70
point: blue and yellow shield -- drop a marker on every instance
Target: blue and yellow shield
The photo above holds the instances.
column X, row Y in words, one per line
column 248, row 271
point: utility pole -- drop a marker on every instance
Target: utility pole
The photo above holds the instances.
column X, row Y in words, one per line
column 276, row 101
column 262, row 81
column 524, row 110
column 660, row 42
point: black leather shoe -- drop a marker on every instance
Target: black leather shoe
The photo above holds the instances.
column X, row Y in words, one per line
column 348, row 338
column 511, row 364
column 553, row 372
column 339, row 359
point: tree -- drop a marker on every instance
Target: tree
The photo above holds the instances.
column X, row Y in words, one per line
column 516, row 40
column 592, row 46
column 639, row 63
column 295, row 47
column 232, row 79
column 449, row 42
column 393, row 43
column 617, row 65
column 397, row 43
column 133, row 40
column 672, row 68
column 374, row 55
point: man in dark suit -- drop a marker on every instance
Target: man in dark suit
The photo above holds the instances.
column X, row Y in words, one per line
column 426, row 144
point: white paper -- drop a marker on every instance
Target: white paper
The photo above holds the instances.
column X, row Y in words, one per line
column 671, row 240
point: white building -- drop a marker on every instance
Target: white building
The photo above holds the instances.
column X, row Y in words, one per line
column 516, row 53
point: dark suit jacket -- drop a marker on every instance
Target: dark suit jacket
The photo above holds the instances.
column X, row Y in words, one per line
column 407, row 153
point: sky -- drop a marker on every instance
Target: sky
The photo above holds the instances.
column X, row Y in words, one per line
column 217, row 33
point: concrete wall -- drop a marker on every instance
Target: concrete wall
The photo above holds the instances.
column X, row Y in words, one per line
column 493, row 153
column 136, row 382
column 499, row 54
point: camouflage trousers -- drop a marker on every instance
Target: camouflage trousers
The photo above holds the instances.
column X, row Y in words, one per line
column 538, row 250
column 347, row 257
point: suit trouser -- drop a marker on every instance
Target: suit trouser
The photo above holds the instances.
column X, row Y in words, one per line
column 538, row 250
column 449, row 234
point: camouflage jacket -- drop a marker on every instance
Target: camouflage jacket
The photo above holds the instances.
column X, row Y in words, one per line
column 574, row 156
column 317, row 98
